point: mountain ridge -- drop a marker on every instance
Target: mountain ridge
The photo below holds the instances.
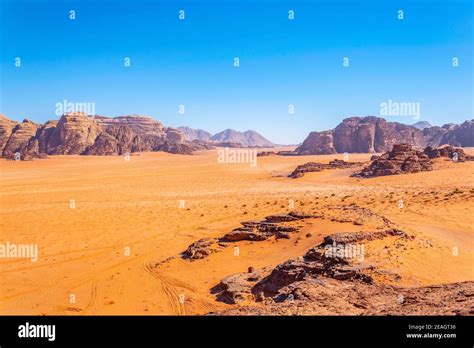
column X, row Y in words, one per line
column 248, row 138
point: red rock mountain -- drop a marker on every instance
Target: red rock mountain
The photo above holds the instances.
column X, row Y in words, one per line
column 79, row 134
column 374, row 134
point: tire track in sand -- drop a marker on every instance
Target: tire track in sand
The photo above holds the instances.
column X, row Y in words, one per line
column 168, row 291
column 91, row 305
column 200, row 299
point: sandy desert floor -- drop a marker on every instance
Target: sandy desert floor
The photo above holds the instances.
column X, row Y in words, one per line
column 137, row 206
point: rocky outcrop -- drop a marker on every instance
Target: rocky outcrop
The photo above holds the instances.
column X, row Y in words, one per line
column 317, row 167
column 22, row 140
column 462, row 135
column 6, row 129
column 79, row 134
column 330, row 259
column 44, row 135
column 200, row 249
column 327, row 280
column 405, row 159
column 318, row 143
column 357, row 237
column 402, row 159
column 140, row 125
column 116, row 140
column 374, row 134
column 434, row 135
column 272, row 226
column 266, row 153
column 73, row 134
column 447, row 151
column 174, row 136
column 328, row 296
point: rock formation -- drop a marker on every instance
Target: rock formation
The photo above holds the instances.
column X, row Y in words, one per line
column 73, row 134
column 318, row 143
column 6, row 129
column 272, row 225
column 402, row 159
column 374, row 134
column 454, row 153
column 317, row 167
column 462, row 135
column 326, row 281
column 79, row 134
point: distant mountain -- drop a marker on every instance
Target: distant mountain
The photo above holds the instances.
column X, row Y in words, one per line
column 248, row 138
column 422, row 125
column 195, row 134
column 230, row 137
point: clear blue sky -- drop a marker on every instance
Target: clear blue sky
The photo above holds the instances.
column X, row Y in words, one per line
column 283, row 62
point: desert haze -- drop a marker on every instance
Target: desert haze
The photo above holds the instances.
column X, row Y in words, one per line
column 159, row 233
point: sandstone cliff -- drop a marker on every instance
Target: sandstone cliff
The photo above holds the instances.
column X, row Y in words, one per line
column 79, row 134
column 374, row 134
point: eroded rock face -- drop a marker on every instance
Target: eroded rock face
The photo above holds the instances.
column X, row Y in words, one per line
column 116, row 141
column 73, row 134
column 317, row 143
column 434, row 135
column 6, row 129
column 402, row 159
column 79, row 134
column 374, row 134
column 140, row 125
column 174, row 135
column 22, row 140
column 462, row 135
column 44, row 134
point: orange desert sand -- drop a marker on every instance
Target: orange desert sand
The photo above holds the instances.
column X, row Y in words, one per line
column 120, row 205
